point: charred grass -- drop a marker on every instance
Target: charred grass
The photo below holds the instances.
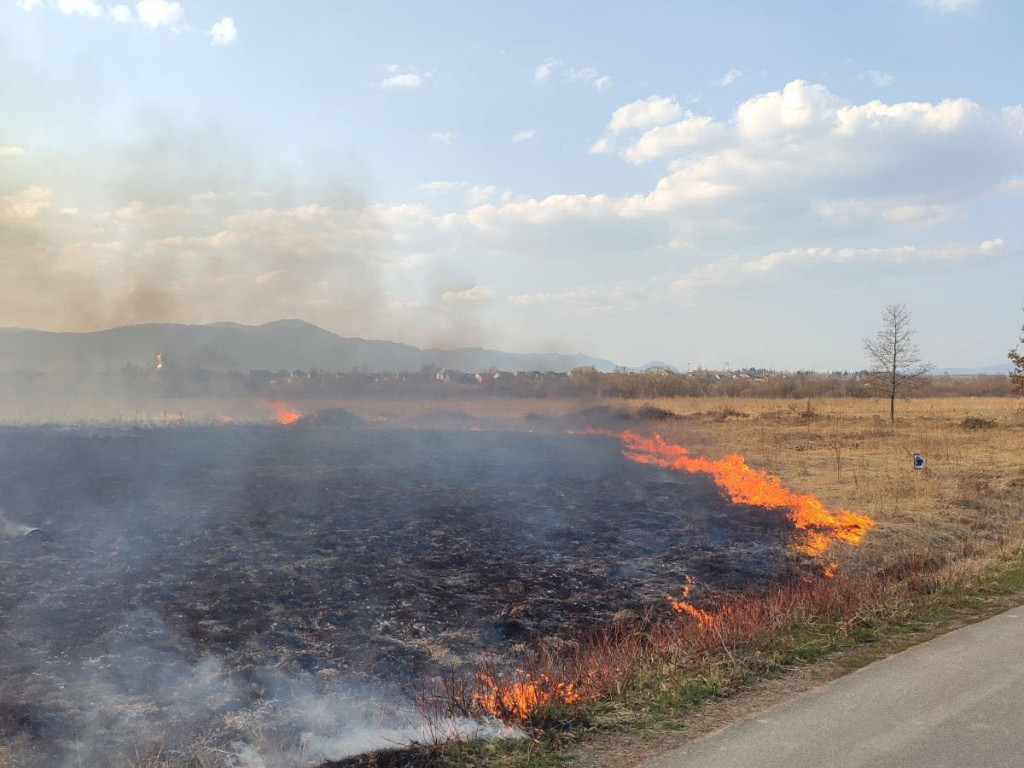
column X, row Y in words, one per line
column 948, row 549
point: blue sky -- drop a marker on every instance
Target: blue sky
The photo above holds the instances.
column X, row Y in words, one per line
column 693, row 182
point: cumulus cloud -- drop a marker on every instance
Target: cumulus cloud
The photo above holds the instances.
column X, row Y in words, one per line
column 645, row 113
column 26, row 204
column 121, row 14
column 479, row 194
column 88, row 8
column 28, row 5
column 223, row 32
column 729, row 77
column 11, row 151
column 693, row 131
column 160, row 13
column 602, row 146
column 799, row 161
column 443, row 137
column 529, row 133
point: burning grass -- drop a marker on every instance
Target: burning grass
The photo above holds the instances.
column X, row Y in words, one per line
column 637, row 660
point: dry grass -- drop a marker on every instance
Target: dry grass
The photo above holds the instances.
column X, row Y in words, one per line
column 969, row 499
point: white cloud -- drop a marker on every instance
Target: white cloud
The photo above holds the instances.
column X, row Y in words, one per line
column 729, row 77
column 644, row 113
column 542, row 73
column 121, row 14
column 407, row 80
column 204, row 196
column 881, row 79
column 948, row 6
column 469, row 295
column 440, row 187
column 27, row 204
column 733, row 270
column 602, row 146
column 443, row 137
column 160, row 13
column 1014, row 186
column 662, row 140
column 799, row 162
column 223, row 32
column 88, row 8
column 11, row 151
column 587, row 298
column 72, row 211
column 587, row 75
column 479, row 194
column 28, row 5
column 525, row 135
column 581, row 74
column 139, row 213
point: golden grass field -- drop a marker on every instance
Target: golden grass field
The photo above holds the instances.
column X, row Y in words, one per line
column 967, row 503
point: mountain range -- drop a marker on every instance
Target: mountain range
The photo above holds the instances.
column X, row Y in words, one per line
column 279, row 345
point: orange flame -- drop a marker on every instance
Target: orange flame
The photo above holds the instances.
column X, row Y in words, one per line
column 705, row 619
column 744, row 485
column 516, row 701
column 283, row 415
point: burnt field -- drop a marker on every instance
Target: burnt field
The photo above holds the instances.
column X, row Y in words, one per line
column 189, row 585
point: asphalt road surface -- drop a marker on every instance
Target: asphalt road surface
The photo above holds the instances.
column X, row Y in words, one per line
column 953, row 702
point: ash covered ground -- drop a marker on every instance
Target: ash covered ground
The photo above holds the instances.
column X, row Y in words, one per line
column 163, row 585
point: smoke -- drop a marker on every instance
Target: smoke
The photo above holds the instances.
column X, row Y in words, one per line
column 171, row 218
column 12, row 529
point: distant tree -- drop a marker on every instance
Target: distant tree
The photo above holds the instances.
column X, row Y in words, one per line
column 896, row 363
column 1017, row 374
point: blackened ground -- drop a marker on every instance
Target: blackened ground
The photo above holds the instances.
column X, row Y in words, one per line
column 379, row 557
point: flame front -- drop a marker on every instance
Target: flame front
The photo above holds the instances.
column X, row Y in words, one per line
column 683, row 606
column 745, row 485
column 517, row 701
column 283, row 415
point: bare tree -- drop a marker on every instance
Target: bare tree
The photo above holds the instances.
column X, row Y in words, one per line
column 1017, row 374
column 896, row 363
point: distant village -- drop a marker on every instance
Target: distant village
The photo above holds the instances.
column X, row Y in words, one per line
column 164, row 378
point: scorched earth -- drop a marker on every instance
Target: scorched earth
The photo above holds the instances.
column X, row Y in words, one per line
column 157, row 584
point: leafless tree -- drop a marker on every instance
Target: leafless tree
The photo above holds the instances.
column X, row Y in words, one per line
column 896, row 363
column 1017, row 374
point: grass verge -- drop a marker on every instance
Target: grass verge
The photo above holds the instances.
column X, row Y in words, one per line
column 654, row 678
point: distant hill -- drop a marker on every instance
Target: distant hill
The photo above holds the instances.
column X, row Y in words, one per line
column 657, row 365
column 283, row 344
column 1000, row 369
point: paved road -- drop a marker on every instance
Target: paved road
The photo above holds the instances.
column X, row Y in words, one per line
column 953, row 702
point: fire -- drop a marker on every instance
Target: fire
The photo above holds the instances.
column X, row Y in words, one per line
column 516, row 701
column 745, row 485
column 682, row 606
column 283, row 415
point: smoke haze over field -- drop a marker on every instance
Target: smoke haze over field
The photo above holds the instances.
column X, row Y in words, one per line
column 751, row 194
